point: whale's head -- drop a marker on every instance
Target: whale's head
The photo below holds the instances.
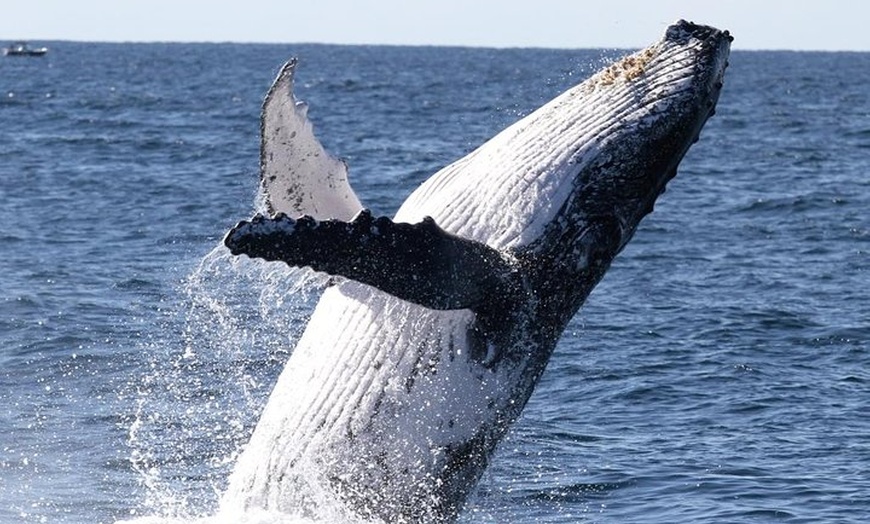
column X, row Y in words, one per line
column 639, row 118
column 565, row 187
column 648, row 109
column 601, row 151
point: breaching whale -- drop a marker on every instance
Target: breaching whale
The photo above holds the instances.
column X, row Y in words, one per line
column 429, row 341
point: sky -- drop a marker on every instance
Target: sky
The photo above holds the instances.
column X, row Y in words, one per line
column 756, row 24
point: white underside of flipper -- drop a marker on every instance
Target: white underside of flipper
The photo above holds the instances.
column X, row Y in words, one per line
column 297, row 174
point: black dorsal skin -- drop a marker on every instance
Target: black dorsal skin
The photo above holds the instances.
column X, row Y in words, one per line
column 420, row 263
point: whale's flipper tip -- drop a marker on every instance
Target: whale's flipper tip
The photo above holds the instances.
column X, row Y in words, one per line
column 297, row 174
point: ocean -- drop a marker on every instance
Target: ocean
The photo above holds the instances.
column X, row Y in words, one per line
column 719, row 373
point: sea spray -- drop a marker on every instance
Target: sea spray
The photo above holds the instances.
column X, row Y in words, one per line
column 225, row 339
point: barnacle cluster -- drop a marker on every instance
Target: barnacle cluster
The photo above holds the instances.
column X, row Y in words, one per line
column 627, row 69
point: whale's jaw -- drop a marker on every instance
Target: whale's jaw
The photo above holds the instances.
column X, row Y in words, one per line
column 411, row 370
column 675, row 86
column 637, row 118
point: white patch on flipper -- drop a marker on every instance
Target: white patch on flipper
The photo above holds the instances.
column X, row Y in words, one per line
column 298, row 175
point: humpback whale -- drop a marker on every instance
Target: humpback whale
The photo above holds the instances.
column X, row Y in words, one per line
column 439, row 321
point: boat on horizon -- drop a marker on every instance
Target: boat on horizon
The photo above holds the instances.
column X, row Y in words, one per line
column 23, row 49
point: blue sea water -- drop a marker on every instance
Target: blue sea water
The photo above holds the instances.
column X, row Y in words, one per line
column 719, row 373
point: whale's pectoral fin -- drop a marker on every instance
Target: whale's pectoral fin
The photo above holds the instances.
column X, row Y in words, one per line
column 420, row 263
column 297, row 175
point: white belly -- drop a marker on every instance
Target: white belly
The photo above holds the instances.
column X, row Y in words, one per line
column 375, row 389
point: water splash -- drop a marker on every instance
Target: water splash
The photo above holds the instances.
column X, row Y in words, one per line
column 205, row 383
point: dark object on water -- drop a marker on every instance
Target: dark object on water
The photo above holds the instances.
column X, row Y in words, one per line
column 23, row 49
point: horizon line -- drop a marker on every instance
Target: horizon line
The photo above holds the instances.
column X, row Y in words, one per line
column 382, row 44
